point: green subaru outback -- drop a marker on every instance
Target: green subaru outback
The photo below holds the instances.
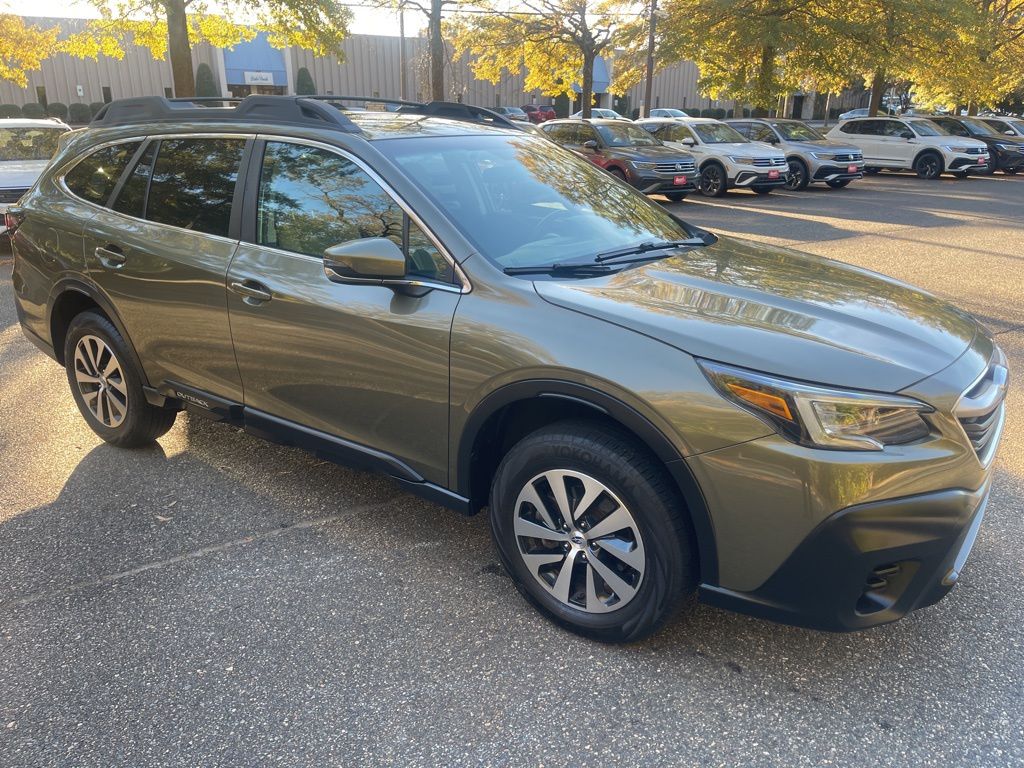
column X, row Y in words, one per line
column 646, row 409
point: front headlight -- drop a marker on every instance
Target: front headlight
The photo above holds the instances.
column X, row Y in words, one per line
column 824, row 155
column 956, row 148
column 645, row 166
column 819, row 416
column 1009, row 147
column 742, row 159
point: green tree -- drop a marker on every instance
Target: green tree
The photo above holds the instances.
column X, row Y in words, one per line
column 304, row 85
column 205, row 84
column 557, row 41
column 170, row 27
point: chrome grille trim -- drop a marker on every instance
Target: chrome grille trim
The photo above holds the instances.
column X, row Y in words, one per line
column 981, row 411
column 849, row 157
column 770, row 162
column 685, row 166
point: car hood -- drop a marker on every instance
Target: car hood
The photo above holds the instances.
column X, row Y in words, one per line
column 748, row 148
column 20, row 173
column 781, row 312
column 823, row 144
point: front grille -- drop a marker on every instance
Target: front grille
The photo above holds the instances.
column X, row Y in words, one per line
column 980, row 410
column 976, row 151
column 12, row 195
column 683, row 166
column 770, row 162
column 850, row 157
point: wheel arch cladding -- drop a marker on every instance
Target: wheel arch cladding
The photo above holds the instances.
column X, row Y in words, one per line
column 510, row 413
column 930, row 151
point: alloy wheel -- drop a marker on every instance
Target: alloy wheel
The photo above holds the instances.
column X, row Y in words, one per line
column 928, row 167
column 579, row 541
column 710, row 181
column 795, row 179
column 100, row 380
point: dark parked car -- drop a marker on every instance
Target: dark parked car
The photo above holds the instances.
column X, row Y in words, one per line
column 646, row 410
column 630, row 153
column 1006, row 153
column 512, row 113
column 539, row 113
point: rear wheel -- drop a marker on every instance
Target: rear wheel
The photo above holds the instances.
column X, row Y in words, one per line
column 713, row 182
column 838, row 183
column 106, row 385
column 760, row 190
column 1010, row 171
column 928, row 165
column 676, row 197
column 798, row 177
column 592, row 531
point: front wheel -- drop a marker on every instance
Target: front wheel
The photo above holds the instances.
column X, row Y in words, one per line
column 838, row 183
column 106, row 385
column 799, row 177
column 1010, row 171
column 676, row 197
column 928, row 166
column 713, row 182
column 592, row 530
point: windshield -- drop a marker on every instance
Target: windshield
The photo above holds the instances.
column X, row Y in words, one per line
column 626, row 135
column 1018, row 125
column 672, row 112
column 522, row 204
column 718, row 133
column 28, row 143
column 926, row 128
column 797, row 132
column 978, row 127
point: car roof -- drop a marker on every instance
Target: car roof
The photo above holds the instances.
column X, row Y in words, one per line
column 20, row 122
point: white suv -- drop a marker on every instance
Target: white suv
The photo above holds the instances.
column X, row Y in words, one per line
column 912, row 143
column 725, row 157
column 26, row 147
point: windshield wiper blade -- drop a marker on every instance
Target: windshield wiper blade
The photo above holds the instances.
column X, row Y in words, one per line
column 659, row 245
column 572, row 268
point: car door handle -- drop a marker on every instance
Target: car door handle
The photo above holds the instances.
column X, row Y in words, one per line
column 254, row 293
column 110, row 256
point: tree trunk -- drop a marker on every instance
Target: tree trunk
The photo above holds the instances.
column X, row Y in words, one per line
column 436, row 52
column 649, row 84
column 179, row 49
column 972, row 108
column 587, row 88
column 765, row 77
column 877, row 86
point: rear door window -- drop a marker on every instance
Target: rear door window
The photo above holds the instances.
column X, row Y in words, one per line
column 762, row 133
column 193, row 183
column 131, row 200
column 95, row 177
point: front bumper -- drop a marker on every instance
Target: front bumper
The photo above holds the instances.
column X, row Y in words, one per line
column 759, row 178
column 652, row 183
column 836, row 172
column 967, row 163
column 868, row 564
column 1011, row 160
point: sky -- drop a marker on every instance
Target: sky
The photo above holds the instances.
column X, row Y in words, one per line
column 366, row 21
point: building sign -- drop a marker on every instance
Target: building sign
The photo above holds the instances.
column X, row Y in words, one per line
column 258, row 78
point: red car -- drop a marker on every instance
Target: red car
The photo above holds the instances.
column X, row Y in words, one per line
column 539, row 113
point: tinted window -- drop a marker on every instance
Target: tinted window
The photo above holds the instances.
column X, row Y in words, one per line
column 561, row 134
column 94, row 178
column 999, row 125
column 677, row 133
column 131, row 199
column 311, row 199
column 798, row 132
column 194, row 183
column 952, row 126
column 742, row 128
column 718, row 133
column 626, row 135
column 926, row 128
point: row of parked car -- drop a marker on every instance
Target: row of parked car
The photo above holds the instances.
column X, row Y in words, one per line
column 675, row 155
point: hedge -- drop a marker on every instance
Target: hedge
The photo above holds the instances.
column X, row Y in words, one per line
column 304, row 85
column 9, row 110
column 79, row 113
column 205, row 84
column 58, row 110
column 95, row 106
column 33, row 111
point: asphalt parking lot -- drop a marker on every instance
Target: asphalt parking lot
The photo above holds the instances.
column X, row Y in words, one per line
column 216, row 600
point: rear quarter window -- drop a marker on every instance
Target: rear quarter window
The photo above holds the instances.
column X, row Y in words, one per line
column 94, row 178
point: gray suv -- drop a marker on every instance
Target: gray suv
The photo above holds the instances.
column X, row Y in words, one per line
column 645, row 409
column 812, row 157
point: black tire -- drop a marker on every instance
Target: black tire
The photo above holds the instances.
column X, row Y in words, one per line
column 1011, row 171
column 140, row 423
column 838, row 183
column 676, row 197
column 618, row 175
column 757, row 189
column 644, row 488
column 928, row 165
column 798, row 177
column 961, row 175
column 713, row 181
column 872, row 171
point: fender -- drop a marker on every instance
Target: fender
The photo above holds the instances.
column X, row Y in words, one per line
column 79, row 285
column 625, row 415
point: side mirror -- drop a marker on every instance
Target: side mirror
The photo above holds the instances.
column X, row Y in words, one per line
column 1009, row 133
column 369, row 260
column 688, row 141
column 591, row 145
column 907, row 135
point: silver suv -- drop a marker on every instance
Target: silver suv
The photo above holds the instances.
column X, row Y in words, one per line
column 812, row 157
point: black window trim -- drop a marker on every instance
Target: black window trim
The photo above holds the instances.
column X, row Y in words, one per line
column 250, row 201
column 240, row 182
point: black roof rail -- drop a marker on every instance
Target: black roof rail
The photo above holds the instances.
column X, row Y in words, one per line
column 299, row 110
